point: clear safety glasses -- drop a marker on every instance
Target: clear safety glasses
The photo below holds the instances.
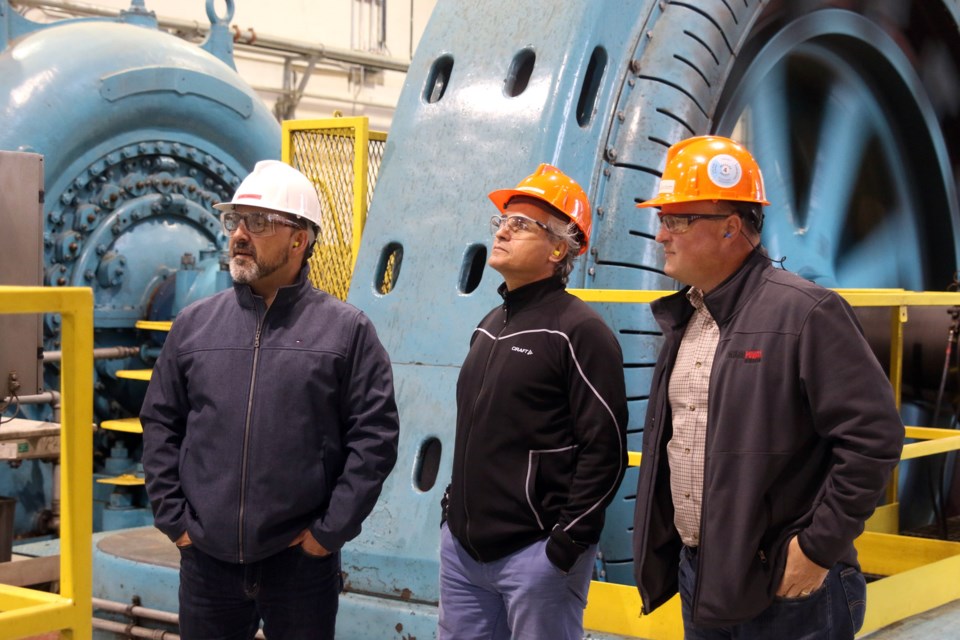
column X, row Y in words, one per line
column 258, row 223
column 680, row 222
column 516, row 223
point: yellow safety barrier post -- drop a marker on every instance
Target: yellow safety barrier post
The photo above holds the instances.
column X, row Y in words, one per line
column 918, row 574
column 28, row 612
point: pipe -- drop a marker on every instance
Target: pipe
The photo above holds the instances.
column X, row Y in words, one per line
column 331, row 98
column 47, row 397
column 100, row 353
column 382, row 40
column 246, row 39
column 54, row 522
column 132, row 630
column 308, row 50
column 136, row 611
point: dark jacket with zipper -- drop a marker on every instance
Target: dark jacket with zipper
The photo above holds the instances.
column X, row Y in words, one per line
column 259, row 423
column 541, row 423
column 802, row 434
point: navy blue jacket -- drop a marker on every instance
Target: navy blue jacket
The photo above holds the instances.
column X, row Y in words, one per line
column 260, row 423
column 802, row 434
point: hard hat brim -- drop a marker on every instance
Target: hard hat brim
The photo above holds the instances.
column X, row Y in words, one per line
column 501, row 197
column 232, row 206
column 663, row 199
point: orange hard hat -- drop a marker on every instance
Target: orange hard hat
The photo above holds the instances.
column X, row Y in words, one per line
column 708, row 168
column 552, row 186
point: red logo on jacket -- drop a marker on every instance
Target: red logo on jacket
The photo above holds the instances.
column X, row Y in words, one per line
column 749, row 356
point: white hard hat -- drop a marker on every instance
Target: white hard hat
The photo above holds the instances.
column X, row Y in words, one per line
column 276, row 186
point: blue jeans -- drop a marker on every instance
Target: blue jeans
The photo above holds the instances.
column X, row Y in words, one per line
column 295, row 594
column 833, row 612
column 522, row 596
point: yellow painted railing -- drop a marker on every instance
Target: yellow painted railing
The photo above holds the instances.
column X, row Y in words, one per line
column 28, row 612
column 918, row 574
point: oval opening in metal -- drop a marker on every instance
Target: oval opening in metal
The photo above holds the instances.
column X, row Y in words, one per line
column 520, row 71
column 471, row 272
column 587, row 103
column 438, row 79
column 388, row 268
column 427, row 464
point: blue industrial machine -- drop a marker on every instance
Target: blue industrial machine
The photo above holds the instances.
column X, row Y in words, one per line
column 852, row 112
column 141, row 132
column 854, row 130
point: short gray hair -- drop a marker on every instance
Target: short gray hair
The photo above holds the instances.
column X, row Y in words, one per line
column 569, row 233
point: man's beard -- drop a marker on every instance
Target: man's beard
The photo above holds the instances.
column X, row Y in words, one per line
column 252, row 268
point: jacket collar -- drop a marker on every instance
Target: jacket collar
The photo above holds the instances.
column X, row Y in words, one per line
column 285, row 295
column 674, row 311
column 529, row 294
column 724, row 301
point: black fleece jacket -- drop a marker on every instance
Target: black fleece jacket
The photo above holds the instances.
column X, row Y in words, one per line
column 541, row 423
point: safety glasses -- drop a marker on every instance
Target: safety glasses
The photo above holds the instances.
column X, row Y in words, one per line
column 516, row 223
column 258, row 223
column 680, row 222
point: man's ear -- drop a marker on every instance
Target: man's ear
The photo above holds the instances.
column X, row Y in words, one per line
column 732, row 226
column 299, row 238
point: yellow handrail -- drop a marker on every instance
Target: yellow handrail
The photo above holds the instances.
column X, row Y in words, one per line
column 28, row 612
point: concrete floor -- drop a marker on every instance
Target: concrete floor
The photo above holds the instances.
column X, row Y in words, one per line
column 942, row 623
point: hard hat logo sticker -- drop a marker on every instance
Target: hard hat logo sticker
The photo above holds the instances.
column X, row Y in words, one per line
column 667, row 186
column 724, row 171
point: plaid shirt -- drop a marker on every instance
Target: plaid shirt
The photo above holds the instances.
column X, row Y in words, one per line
column 689, row 393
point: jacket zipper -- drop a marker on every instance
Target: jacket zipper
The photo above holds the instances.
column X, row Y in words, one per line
column 246, row 433
column 466, row 447
column 661, row 412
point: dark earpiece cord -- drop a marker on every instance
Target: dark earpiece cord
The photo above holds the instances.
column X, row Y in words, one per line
column 757, row 249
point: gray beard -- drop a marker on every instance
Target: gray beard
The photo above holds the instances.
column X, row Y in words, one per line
column 247, row 273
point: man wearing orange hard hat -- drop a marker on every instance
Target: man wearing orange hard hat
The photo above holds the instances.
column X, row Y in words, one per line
column 771, row 428
column 541, row 429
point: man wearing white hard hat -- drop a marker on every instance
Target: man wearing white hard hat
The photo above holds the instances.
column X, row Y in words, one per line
column 269, row 427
